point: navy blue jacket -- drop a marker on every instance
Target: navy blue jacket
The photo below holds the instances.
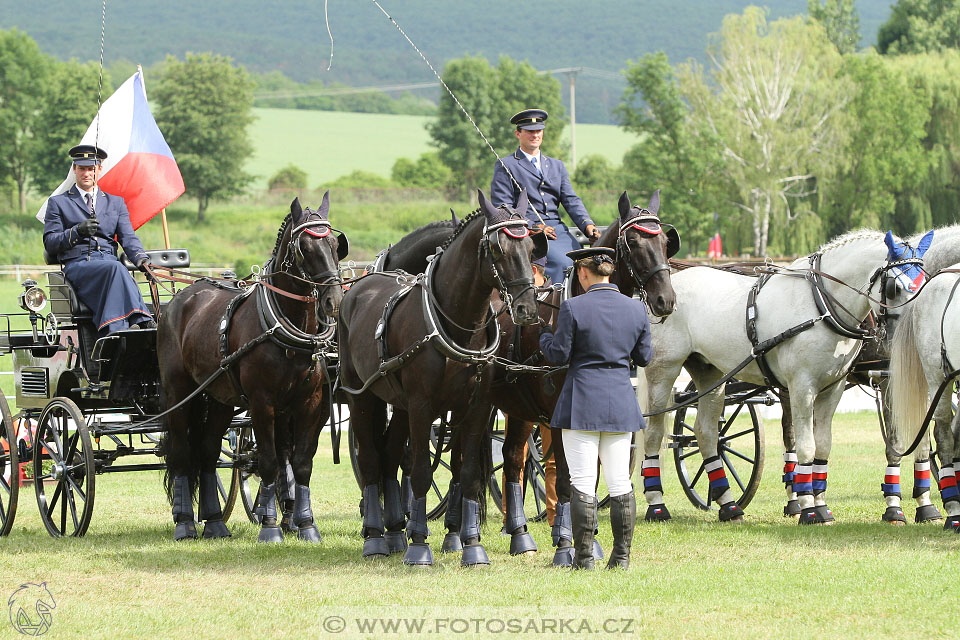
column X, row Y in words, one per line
column 599, row 333
column 546, row 194
column 67, row 210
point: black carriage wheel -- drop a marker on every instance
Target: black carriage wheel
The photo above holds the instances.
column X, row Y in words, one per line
column 228, row 482
column 741, row 448
column 245, row 477
column 533, row 471
column 9, row 470
column 64, row 474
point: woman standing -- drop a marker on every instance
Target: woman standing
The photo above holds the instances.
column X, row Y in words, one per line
column 599, row 333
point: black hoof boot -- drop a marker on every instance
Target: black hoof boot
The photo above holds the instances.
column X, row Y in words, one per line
column 928, row 513
column 894, row 515
column 474, row 555
column 657, row 513
column 731, row 512
column 185, row 531
column 952, row 523
column 451, row 543
column 418, row 554
column 396, row 541
column 792, row 510
column 270, row 534
column 309, row 533
column 522, row 543
column 816, row 515
column 563, row 557
column 375, row 547
column 215, row 529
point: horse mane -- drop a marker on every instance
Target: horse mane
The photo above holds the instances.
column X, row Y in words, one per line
column 850, row 237
column 463, row 225
column 283, row 228
column 413, row 236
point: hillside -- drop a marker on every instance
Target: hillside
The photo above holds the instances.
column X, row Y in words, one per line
column 292, row 35
column 328, row 144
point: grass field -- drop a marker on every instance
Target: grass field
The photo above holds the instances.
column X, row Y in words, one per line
column 690, row 578
column 329, row 144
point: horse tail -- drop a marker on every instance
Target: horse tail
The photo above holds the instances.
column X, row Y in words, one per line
column 907, row 385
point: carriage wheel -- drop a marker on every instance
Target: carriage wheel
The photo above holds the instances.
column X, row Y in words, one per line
column 228, row 482
column 63, row 469
column 9, row 470
column 245, row 476
column 533, row 473
column 741, row 449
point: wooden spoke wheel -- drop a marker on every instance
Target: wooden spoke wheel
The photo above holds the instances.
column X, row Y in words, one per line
column 534, row 488
column 63, row 469
column 741, row 445
column 9, row 470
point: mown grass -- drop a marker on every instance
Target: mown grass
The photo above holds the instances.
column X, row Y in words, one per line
column 330, row 144
column 690, row 578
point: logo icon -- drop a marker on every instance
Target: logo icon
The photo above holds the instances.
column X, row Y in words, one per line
column 30, row 607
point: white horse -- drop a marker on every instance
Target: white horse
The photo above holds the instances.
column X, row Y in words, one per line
column 925, row 345
column 944, row 251
column 707, row 335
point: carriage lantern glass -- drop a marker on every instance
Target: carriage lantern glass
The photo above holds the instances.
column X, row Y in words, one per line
column 33, row 298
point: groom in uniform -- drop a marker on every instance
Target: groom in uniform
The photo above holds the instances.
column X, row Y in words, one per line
column 81, row 229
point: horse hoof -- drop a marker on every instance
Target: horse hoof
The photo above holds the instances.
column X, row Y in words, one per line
column 474, row 555
column 894, row 515
column 731, row 512
column 451, row 543
column 396, row 541
column 563, row 557
column 657, row 513
column 270, row 534
column 792, row 509
column 952, row 523
column 522, row 543
column 597, row 550
column 928, row 513
column 215, row 529
column 185, row 531
column 817, row 515
column 309, row 534
column 375, row 547
column 418, row 554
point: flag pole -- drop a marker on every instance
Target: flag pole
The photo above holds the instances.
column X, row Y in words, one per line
column 166, row 231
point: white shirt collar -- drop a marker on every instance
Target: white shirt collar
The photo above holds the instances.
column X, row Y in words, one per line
column 83, row 193
column 530, row 157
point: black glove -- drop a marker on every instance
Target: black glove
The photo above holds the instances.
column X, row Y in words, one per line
column 88, row 227
column 142, row 264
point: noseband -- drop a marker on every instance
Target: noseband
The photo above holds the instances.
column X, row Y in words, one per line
column 641, row 280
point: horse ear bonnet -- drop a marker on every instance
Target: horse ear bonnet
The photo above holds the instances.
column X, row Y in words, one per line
column 673, row 242
column 539, row 245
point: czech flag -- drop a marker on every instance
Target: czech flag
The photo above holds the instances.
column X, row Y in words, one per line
column 139, row 167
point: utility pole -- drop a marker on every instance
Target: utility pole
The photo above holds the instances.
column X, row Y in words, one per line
column 572, row 74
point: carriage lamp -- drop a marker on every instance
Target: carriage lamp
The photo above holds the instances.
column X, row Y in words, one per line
column 33, row 298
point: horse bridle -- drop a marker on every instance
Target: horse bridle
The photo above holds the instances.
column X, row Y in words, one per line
column 491, row 244
column 643, row 215
column 320, row 228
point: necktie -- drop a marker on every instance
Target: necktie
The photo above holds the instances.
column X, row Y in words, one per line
column 90, row 203
column 536, row 165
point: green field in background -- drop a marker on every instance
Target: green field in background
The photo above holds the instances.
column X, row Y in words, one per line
column 329, row 144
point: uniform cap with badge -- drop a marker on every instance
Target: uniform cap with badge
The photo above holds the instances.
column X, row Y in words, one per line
column 530, row 120
column 87, row 155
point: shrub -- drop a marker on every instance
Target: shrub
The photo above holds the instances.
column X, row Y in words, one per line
column 290, row 178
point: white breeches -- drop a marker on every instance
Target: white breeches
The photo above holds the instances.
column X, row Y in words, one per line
column 582, row 448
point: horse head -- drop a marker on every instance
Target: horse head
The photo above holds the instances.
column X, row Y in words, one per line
column 316, row 251
column 903, row 274
column 644, row 245
column 510, row 247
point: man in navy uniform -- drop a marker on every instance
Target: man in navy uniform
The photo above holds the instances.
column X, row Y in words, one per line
column 79, row 230
column 547, row 185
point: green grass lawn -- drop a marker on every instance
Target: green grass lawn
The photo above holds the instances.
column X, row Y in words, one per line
column 692, row 577
column 329, row 144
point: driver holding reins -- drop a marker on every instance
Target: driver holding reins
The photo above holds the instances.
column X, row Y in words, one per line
column 547, row 184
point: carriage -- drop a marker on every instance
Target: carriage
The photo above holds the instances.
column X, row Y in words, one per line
column 88, row 406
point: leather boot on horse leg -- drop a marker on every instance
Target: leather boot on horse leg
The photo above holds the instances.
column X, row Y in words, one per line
column 301, row 466
column 182, row 498
column 792, row 508
column 209, row 505
column 452, row 519
column 394, row 510
column 473, row 476
column 515, row 521
column 562, row 529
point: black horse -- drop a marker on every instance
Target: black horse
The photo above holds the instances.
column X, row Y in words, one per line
column 270, row 347
column 643, row 247
column 427, row 350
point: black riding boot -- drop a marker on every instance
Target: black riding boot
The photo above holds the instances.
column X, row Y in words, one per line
column 583, row 509
column 623, row 519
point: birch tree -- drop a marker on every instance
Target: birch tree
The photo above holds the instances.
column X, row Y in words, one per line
column 774, row 103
